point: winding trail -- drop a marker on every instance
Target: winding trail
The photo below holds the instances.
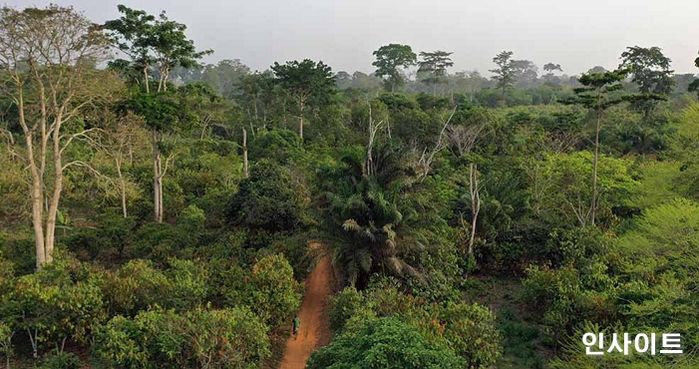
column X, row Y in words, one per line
column 314, row 330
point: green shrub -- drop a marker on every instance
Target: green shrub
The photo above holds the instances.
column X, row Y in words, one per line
column 266, row 200
column 343, row 306
column 385, row 343
column 471, row 332
column 192, row 217
column 63, row 301
column 6, row 334
column 189, row 284
column 232, row 338
column 275, row 292
column 61, row 360
column 136, row 286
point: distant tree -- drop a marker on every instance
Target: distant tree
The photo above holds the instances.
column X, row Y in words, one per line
column 597, row 69
column 526, row 71
column 389, row 59
column 551, row 67
column 305, row 80
column 343, row 80
column 433, row 67
column 694, row 86
column 650, row 70
column 202, row 107
column 225, row 77
column 597, row 95
column 505, row 73
column 155, row 47
column 257, row 97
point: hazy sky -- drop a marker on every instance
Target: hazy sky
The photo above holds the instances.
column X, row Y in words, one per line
column 578, row 34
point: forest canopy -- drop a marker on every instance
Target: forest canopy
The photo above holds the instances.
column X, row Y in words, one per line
column 159, row 211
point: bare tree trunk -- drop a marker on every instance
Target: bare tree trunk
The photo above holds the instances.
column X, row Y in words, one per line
column 161, row 206
column 254, row 102
column 595, row 163
column 122, row 185
column 245, row 153
column 301, row 106
column 157, row 183
column 475, row 204
column 37, row 208
column 57, row 189
column 145, row 79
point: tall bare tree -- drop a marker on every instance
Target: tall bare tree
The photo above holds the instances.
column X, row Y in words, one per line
column 462, row 138
column 47, row 57
column 155, row 46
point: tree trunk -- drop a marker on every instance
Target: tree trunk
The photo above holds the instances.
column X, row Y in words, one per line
column 301, row 106
column 157, row 180
column 122, row 185
column 245, row 153
column 475, row 204
column 37, row 211
column 595, row 163
column 145, row 79
column 56, row 195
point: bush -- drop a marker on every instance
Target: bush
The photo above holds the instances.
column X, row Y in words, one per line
column 344, row 306
column 135, row 286
column 564, row 297
column 61, row 360
column 232, row 338
column 471, row 332
column 192, row 217
column 161, row 241
column 106, row 241
column 269, row 290
column 6, row 334
column 384, row 343
column 61, row 302
column 267, row 200
column 189, row 284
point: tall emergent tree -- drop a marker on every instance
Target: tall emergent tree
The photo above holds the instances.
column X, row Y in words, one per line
column 305, row 80
column 154, row 46
column 389, row 59
column 597, row 95
column 47, row 59
column 694, row 86
column 552, row 67
column 526, row 72
column 650, row 70
column 433, row 67
column 505, row 73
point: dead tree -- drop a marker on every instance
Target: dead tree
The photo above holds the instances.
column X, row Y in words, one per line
column 463, row 139
column 426, row 158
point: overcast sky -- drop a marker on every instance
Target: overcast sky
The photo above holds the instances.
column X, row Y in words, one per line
column 578, row 34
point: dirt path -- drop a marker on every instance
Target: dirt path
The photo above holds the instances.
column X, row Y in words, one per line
column 314, row 329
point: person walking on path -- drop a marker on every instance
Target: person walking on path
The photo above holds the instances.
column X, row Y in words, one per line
column 295, row 325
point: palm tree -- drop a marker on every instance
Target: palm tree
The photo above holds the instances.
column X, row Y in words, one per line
column 363, row 216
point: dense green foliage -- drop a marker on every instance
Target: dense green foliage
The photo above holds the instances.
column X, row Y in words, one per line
column 472, row 222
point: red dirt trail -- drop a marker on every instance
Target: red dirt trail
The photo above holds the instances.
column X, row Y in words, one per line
column 314, row 328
